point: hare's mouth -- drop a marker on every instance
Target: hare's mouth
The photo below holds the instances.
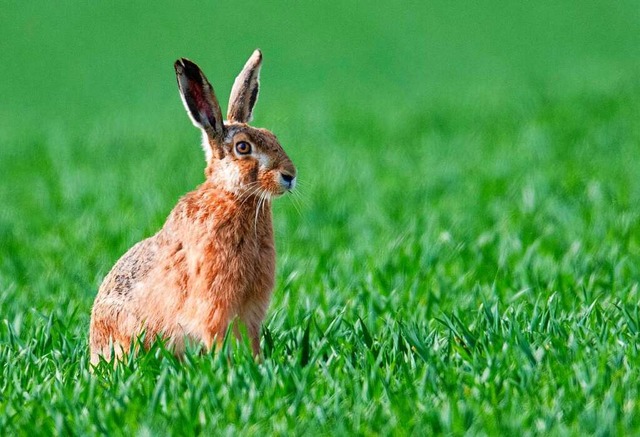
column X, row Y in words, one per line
column 276, row 185
column 278, row 192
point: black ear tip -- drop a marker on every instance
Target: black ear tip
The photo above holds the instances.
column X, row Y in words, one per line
column 185, row 66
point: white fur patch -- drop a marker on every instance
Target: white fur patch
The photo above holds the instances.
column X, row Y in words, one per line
column 228, row 174
column 262, row 159
column 206, row 146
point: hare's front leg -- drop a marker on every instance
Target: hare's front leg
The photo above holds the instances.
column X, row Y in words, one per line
column 252, row 314
column 215, row 327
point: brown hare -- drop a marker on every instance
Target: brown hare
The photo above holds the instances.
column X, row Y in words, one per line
column 214, row 258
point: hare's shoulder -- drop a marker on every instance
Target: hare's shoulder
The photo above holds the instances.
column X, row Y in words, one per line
column 131, row 267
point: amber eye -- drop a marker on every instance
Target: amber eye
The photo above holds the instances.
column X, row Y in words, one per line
column 243, row 148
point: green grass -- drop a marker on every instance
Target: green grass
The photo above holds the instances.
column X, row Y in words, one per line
column 463, row 255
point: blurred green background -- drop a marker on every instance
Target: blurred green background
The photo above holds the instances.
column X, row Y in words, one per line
column 87, row 59
column 463, row 253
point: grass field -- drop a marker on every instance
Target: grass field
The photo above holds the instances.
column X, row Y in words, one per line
column 463, row 254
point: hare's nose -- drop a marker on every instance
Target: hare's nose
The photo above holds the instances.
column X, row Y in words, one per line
column 288, row 180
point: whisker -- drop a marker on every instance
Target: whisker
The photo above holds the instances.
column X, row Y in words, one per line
column 298, row 194
column 267, row 201
column 255, row 222
column 296, row 206
column 252, row 191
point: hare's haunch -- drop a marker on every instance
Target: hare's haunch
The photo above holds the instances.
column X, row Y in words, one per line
column 214, row 258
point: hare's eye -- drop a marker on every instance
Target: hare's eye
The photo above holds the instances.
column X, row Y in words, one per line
column 243, row 148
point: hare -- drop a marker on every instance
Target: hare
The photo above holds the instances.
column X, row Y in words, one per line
column 214, row 258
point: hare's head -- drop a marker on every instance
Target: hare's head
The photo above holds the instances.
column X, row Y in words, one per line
column 240, row 158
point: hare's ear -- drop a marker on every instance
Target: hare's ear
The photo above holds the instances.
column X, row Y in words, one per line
column 199, row 99
column 244, row 93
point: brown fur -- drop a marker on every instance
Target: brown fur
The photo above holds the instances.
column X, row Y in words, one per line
column 212, row 261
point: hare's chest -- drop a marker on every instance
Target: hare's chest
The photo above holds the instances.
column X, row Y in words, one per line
column 239, row 263
column 255, row 260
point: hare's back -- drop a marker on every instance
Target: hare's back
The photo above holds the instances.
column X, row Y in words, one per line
column 130, row 269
